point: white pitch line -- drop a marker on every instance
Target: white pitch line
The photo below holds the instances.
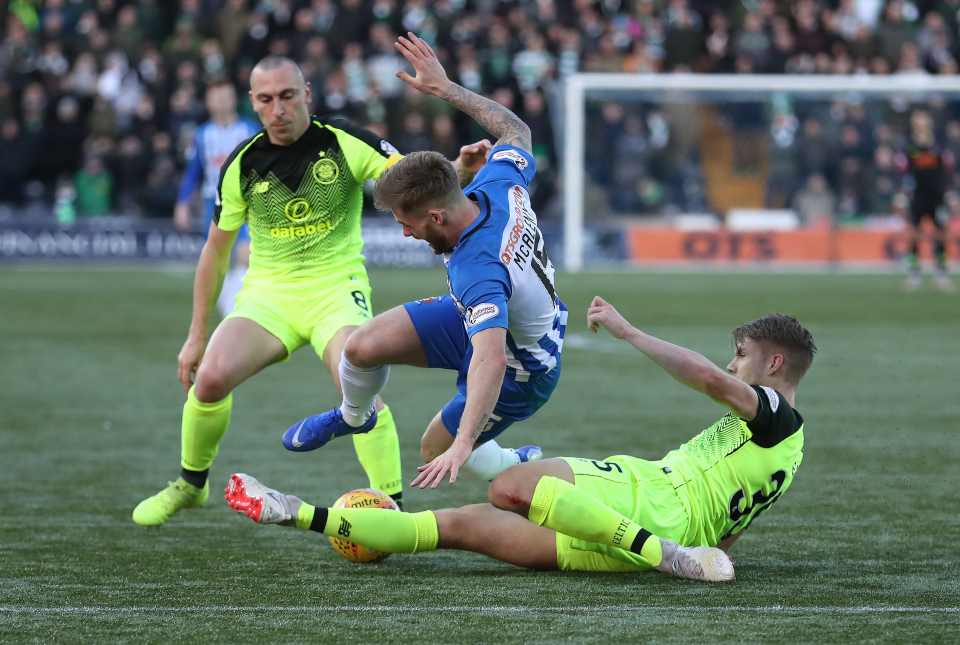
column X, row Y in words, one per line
column 590, row 342
column 493, row 609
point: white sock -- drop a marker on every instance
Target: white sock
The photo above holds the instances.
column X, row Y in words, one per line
column 488, row 461
column 360, row 389
column 232, row 283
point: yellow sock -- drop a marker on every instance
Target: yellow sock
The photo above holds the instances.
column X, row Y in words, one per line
column 375, row 528
column 204, row 424
column 305, row 516
column 379, row 454
column 561, row 506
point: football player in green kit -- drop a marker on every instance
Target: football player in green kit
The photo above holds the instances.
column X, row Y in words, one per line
column 298, row 185
column 679, row 515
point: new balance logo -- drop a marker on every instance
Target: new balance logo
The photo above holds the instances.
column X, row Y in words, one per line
column 261, row 187
column 345, row 527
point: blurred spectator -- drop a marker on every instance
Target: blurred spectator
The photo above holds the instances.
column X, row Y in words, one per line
column 355, row 73
column 748, row 131
column 33, row 107
column 152, row 21
column 351, row 24
column 231, row 23
column 414, row 137
column 629, row 166
column 468, row 72
column 212, row 61
column 52, row 63
column 119, row 78
column 444, row 138
column 782, row 158
column 19, row 53
column 534, row 63
column 183, row 45
column 815, row 204
column 754, row 43
column 102, row 121
column 132, row 165
column 498, row 54
column 607, row 58
column 160, row 192
column 893, row 32
column 7, row 104
column 17, row 154
column 683, row 43
column 65, row 134
column 94, row 184
column 881, row 183
column 817, row 150
column 810, row 37
column 127, row 36
column 910, row 60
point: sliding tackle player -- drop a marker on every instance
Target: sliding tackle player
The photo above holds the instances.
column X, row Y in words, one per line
column 679, row 515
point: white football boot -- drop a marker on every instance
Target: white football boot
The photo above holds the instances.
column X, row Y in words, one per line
column 696, row 562
column 263, row 505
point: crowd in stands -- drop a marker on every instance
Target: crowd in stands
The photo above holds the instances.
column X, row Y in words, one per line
column 99, row 99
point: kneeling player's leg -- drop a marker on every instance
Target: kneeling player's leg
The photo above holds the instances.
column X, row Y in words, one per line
column 546, row 494
column 501, row 535
column 379, row 449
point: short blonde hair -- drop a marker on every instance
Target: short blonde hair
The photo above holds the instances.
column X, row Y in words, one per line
column 419, row 179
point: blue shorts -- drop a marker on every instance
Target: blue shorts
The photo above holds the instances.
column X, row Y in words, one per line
column 447, row 346
column 208, row 205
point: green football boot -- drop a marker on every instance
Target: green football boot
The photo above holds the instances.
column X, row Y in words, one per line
column 178, row 495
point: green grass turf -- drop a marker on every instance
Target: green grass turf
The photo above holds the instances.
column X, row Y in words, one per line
column 862, row 548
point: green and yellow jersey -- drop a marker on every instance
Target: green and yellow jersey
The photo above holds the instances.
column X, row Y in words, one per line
column 733, row 471
column 303, row 201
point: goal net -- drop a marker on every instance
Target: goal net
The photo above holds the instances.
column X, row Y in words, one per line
column 750, row 169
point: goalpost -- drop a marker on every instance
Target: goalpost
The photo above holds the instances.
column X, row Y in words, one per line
column 655, row 88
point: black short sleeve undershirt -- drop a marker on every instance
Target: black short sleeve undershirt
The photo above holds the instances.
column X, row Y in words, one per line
column 775, row 420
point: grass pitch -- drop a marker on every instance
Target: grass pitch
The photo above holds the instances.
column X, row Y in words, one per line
column 862, row 548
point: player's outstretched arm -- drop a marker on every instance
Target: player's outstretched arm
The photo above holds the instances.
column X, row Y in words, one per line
column 690, row 368
column 484, row 380
column 211, row 270
column 431, row 79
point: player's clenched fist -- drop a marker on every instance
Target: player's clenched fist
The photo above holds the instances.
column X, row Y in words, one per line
column 602, row 313
column 473, row 156
column 189, row 360
column 430, row 78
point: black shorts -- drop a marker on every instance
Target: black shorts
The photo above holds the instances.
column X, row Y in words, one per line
column 927, row 207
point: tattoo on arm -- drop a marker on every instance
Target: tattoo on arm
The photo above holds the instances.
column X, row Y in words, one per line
column 495, row 119
column 465, row 176
column 479, row 429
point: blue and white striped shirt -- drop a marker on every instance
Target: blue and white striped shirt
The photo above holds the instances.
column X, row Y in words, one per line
column 212, row 144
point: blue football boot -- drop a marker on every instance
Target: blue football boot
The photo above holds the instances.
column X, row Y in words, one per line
column 314, row 432
column 529, row 453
